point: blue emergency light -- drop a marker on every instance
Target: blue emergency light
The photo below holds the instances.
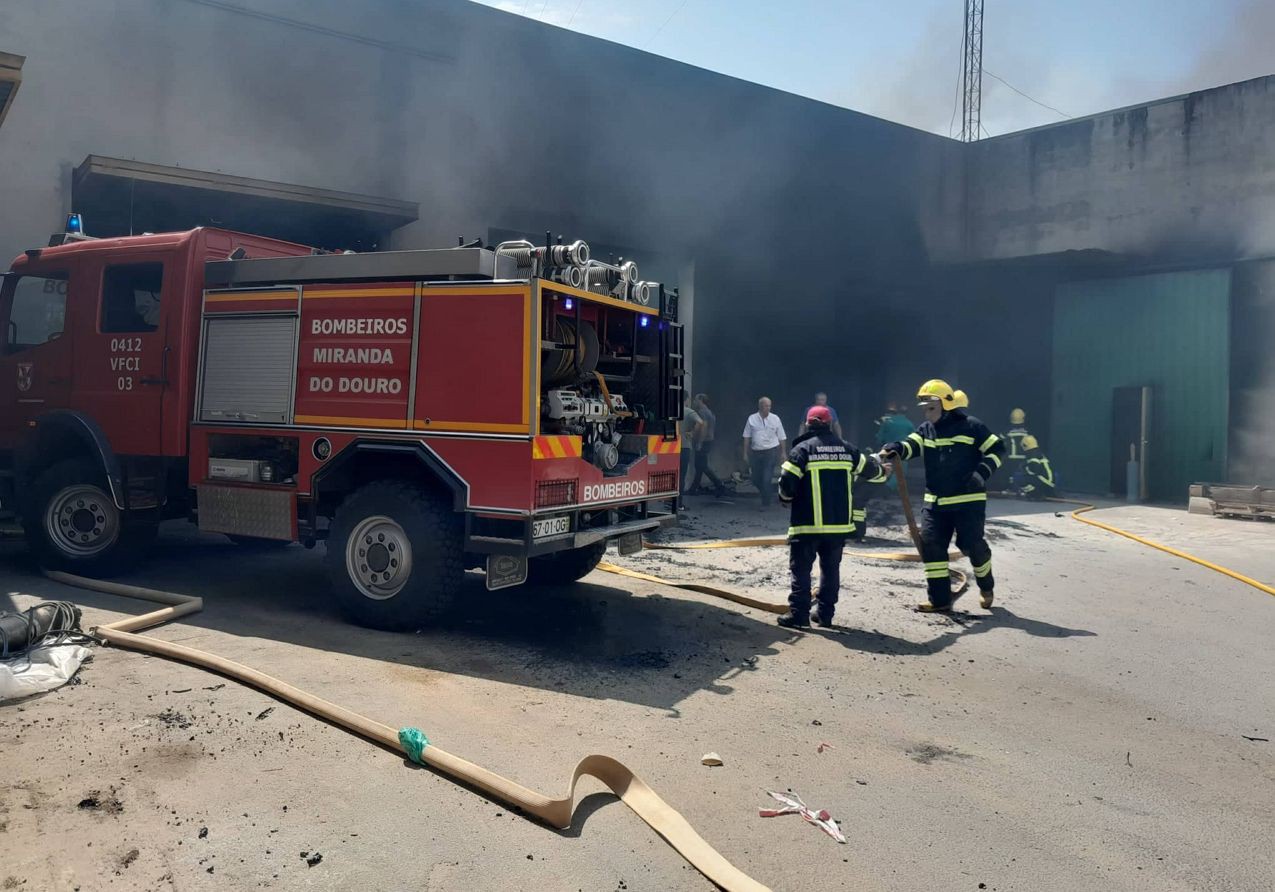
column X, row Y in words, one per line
column 645, row 321
column 75, row 224
column 568, row 304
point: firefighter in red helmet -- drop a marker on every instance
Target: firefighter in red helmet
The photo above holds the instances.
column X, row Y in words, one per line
column 817, row 483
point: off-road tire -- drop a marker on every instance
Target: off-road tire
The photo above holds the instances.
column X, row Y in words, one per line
column 123, row 540
column 429, row 542
column 565, row 567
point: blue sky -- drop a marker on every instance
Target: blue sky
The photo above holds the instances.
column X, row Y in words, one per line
column 900, row 60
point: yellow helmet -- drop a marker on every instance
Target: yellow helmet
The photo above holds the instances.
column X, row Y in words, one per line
column 935, row 389
column 962, row 401
column 1029, row 443
column 1018, row 416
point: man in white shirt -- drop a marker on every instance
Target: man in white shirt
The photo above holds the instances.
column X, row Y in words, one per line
column 764, row 442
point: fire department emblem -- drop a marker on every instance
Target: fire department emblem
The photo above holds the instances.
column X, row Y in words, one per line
column 24, row 376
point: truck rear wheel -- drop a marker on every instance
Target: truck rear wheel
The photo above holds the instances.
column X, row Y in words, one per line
column 73, row 524
column 565, row 567
column 394, row 556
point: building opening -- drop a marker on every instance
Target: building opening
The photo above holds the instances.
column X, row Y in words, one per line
column 118, row 197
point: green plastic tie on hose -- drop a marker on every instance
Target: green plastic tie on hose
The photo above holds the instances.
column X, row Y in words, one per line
column 414, row 741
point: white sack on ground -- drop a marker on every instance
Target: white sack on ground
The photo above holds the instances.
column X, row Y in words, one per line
column 49, row 668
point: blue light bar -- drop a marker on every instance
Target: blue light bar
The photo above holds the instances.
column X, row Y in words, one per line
column 75, row 224
column 568, row 303
column 646, row 320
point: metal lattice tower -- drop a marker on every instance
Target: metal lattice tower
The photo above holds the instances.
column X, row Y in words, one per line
column 972, row 71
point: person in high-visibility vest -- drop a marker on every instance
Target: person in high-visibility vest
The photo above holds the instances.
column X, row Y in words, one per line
column 1016, row 454
column 960, row 455
column 1038, row 474
column 817, row 482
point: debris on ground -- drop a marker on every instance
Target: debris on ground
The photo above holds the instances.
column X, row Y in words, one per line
column 823, row 746
column 793, row 805
column 311, row 859
column 711, row 759
column 1256, row 739
column 265, row 712
column 97, row 801
column 173, row 719
column 928, row 752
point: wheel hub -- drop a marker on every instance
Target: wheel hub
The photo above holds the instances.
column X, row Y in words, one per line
column 81, row 520
column 378, row 557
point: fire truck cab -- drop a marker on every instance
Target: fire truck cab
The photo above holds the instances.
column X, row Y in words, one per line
column 421, row 412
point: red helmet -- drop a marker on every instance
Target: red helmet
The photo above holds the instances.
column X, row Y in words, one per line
column 819, row 415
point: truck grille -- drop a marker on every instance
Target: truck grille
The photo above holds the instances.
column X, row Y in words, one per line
column 555, row 492
column 664, row 481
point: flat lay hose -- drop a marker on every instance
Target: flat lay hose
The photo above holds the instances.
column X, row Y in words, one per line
column 961, row 580
column 630, row 788
column 1225, row 571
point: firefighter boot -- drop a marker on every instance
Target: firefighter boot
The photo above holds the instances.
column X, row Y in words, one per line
column 930, row 607
column 792, row 620
column 985, row 599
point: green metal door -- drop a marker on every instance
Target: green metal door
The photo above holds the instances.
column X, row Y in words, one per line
column 1169, row 331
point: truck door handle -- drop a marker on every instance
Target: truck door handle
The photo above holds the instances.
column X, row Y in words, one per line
column 163, row 371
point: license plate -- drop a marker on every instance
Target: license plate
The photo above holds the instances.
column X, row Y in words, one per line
column 629, row 543
column 550, row 526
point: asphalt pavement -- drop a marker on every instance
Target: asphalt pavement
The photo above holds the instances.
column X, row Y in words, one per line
column 1107, row 725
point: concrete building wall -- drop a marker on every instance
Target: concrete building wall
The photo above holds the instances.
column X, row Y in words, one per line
column 784, row 208
column 825, row 249
column 1193, row 175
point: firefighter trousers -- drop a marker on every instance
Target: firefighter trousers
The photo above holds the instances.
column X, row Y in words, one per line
column 802, row 551
column 937, row 527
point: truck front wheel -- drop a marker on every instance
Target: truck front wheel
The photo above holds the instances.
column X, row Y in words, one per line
column 565, row 567
column 394, row 556
column 73, row 524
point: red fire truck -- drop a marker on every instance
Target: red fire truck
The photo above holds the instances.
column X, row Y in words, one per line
column 422, row 412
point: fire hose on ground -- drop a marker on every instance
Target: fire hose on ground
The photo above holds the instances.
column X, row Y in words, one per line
column 957, row 576
column 960, row 579
column 1085, row 508
column 411, row 742
column 630, row 788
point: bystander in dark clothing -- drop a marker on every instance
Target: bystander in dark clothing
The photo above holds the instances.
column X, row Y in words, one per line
column 704, row 449
column 692, row 429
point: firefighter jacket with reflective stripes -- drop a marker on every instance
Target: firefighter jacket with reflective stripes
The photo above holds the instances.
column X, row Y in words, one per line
column 1014, row 439
column 1041, row 473
column 960, row 454
column 818, row 480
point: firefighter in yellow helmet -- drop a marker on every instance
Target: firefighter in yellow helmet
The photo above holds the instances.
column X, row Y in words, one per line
column 960, row 455
column 1038, row 475
column 1016, row 455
